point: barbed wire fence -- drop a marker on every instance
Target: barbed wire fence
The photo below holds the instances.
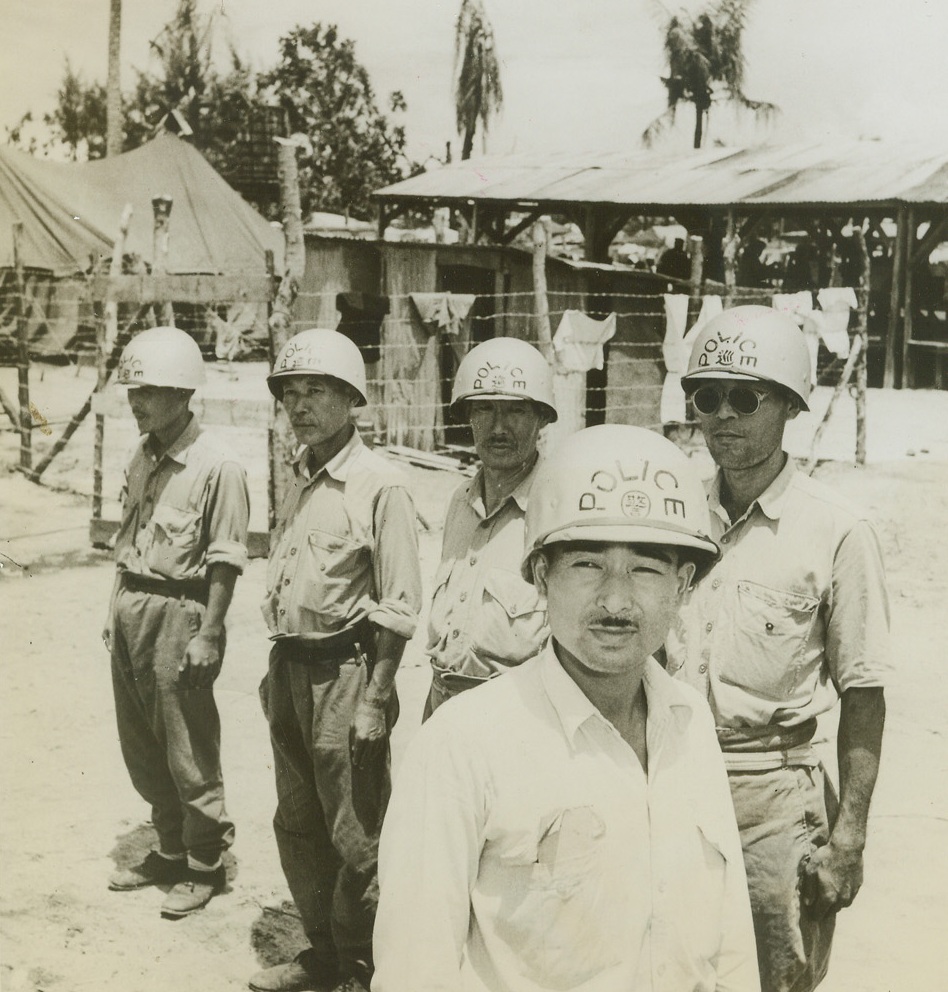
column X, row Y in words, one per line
column 45, row 322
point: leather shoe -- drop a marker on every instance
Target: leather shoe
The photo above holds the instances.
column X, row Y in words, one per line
column 154, row 870
column 294, row 977
column 194, row 892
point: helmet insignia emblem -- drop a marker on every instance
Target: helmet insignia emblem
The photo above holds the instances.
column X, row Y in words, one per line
column 635, row 503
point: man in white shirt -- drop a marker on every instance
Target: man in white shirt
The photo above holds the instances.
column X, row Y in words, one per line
column 569, row 826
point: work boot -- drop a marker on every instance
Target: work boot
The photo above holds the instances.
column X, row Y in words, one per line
column 154, row 870
column 303, row 974
column 193, row 892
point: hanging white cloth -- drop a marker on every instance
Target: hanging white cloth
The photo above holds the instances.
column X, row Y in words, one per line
column 830, row 324
column 800, row 307
column 579, row 339
column 676, row 349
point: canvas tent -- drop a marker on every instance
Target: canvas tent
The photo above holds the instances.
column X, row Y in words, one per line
column 70, row 214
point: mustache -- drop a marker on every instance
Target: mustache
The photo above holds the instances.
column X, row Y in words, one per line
column 619, row 621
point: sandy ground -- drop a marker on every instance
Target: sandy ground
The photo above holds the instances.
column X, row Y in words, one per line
column 69, row 815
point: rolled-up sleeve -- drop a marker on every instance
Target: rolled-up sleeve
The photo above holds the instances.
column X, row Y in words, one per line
column 857, row 627
column 395, row 562
column 228, row 516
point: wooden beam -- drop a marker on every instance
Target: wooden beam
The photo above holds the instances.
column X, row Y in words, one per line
column 22, row 355
column 892, row 377
column 731, row 244
column 908, row 368
column 862, row 337
column 143, row 288
column 519, row 227
column 936, row 234
column 541, row 246
column 161, row 207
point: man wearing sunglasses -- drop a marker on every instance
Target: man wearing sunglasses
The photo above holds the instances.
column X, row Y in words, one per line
column 793, row 618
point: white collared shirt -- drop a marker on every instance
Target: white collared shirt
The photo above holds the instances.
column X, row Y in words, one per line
column 525, row 848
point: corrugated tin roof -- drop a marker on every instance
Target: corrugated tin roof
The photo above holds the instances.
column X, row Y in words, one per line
column 855, row 172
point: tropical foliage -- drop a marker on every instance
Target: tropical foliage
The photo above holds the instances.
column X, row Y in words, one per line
column 478, row 94
column 706, row 64
column 317, row 89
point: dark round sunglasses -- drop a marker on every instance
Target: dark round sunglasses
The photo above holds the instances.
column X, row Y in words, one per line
column 741, row 399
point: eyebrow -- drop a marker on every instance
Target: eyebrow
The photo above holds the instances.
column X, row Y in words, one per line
column 657, row 552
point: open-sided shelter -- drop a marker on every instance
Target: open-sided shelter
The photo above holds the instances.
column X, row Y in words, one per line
column 722, row 193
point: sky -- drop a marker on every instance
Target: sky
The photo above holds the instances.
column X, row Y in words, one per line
column 578, row 75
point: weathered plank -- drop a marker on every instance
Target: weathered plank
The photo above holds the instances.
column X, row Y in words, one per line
column 142, row 288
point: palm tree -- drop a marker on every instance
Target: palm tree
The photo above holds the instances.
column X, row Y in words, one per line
column 113, row 89
column 477, row 91
column 706, row 62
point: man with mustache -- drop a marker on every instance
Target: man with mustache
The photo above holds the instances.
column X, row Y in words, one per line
column 343, row 597
column 181, row 545
column 792, row 619
column 569, row 826
column 484, row 618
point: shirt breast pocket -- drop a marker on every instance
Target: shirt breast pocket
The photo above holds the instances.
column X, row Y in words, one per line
column 564, row 925
column 769, row 636
column 512, row 625
column 175, row 534
column 333, row 564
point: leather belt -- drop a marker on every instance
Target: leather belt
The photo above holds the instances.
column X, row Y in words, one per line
column 194, row 589
column 329, row 648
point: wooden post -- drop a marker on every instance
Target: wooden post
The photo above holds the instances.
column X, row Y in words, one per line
column 862, row 335
column 83, row 411
column 541, row 243
column 9, row 409
column 729, row 250
column 113, row 85
column 908, row 368
column 271, row 465
column 101, row 361
column 294, row 268
column 115, row 269
column 855, row 354
column 161, row 205
column 22, row 355
column 696, row 251
column 892, row 377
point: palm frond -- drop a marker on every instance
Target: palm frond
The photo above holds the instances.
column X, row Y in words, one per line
column 659, row 126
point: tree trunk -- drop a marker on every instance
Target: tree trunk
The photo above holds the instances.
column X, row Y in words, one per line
column 468, row 146
column 282, row 441
column 699, row 126
column 113, row 105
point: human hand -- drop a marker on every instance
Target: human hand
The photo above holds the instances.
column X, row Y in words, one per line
column 201, row 664
column 368, row 733
column 831, row 879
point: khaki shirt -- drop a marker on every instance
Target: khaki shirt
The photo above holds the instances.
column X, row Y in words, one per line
column 183, row 511
column 484, row 617
column 795, row 613
column 345, row 549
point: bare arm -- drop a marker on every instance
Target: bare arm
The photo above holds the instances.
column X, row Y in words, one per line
column 202, row 659
column 834, row 873
column 370, row 724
